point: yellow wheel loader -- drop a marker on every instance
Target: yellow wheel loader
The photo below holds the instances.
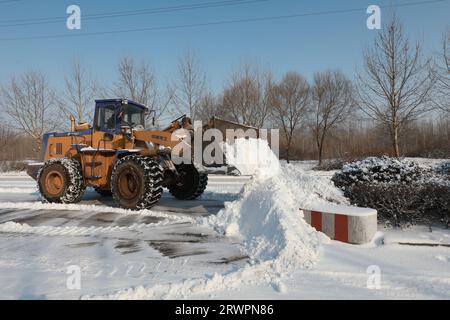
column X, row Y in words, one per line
column 117, row 156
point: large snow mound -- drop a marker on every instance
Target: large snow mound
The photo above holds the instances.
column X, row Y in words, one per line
column 252, row 157
column 267, row 217
column 269, row 221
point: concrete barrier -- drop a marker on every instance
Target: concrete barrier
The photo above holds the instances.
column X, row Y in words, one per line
column 343, row 223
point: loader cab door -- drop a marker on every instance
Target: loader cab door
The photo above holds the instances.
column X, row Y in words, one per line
column 132, row 115
column 107, row 118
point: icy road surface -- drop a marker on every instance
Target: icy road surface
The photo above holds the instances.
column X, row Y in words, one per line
column 114, row 248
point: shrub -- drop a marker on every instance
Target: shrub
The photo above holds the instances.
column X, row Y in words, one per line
column 435, row 198
column 378, row 170
column 396, row 203
column 401, row 191
column 443, row 168
column 6, row 166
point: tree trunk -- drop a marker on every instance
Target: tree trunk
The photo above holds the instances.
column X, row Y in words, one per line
column 395, row 139
column 38, row 144
column 320, row 143
column 320, row 155
column 288, row 148
column 287, row 153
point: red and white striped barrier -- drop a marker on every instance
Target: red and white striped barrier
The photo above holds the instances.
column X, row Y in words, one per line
column 343, row 223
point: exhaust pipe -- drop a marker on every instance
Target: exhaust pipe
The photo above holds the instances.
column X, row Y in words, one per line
column 72, row 123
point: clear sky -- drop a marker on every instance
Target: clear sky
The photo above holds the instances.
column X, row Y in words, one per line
column 305, row 44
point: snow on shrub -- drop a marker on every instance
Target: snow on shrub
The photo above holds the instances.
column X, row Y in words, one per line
column 396, row 203
column 12, row 166
column 443, row 168
column 378, row 170
column 402, row 192
column 435, row 199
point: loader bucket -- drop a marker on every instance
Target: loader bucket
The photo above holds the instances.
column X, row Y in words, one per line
column 33, row 169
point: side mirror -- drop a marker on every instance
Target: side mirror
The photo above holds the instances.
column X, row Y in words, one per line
column 108, row 136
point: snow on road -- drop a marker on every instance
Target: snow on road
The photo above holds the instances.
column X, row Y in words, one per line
column 243, row 239
column 114, row 248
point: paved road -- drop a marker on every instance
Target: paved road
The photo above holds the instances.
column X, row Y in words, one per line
column 112, row 246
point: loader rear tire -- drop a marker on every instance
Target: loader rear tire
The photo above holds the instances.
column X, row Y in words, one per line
column 191, row 183
column 136, row 182
column 60, row 181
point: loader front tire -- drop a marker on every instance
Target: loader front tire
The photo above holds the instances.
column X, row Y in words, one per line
column 136, row 182
column 60, row 181
column 191, row 183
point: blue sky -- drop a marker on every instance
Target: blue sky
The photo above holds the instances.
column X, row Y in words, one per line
column 304, row 44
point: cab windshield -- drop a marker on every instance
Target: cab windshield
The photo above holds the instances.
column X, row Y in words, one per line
column 132, row 115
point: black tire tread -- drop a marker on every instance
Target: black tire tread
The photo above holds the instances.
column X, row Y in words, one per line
column 75, row 189
column 196, row 190
column 153, row 176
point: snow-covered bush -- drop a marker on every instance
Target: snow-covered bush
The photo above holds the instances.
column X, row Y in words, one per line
column 443, row 168
column 401, row 190
column 378, row 170
column 397, row 204
column 6, row 166
column 435, row 199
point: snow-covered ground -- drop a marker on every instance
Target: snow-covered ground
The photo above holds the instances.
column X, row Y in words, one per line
column 243, row 239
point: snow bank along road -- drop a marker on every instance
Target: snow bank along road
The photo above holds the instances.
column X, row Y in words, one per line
column 194, row 249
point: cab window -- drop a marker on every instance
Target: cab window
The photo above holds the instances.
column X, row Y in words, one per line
column 106, row 118
column 132, row 116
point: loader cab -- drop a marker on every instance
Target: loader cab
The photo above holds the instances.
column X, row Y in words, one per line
column 114, row 115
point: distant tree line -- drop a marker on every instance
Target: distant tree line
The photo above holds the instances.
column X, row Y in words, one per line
column 397, row 104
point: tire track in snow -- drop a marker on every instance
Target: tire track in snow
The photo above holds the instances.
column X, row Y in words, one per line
column 85, row 211
column 91, row 208
column 14, row 227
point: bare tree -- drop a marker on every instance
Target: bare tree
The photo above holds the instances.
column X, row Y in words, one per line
column 442, row 96
column 395, row 87
column 138, row 82
column 207, row 107
column 7, row 137
column 30, row 103
column 246, row 97
column 290, row 105
column 80, row 92
column 332, row 102
column 190, row 86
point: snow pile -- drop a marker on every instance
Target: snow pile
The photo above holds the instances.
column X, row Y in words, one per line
column 318, row 188
column 269, row 223
column 252, row 157
column 267, row 216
